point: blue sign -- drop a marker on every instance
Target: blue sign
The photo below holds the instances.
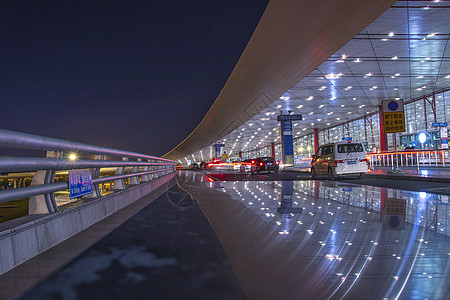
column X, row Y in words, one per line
column 289, row 118
column 80, row 183
column 347, row 138
column 441, row 124
column 393, row 105
column 287, row 143
column 219, row 145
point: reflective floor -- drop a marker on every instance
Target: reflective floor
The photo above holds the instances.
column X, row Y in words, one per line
column 336, row 242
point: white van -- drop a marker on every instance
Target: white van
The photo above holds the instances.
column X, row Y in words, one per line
column 343, row 158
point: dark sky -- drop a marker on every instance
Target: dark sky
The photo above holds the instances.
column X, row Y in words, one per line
column 133, row 75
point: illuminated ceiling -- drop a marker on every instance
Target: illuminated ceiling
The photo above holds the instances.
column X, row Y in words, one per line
column 404, row 54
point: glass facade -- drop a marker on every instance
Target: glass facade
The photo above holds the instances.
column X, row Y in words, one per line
column 420, row 115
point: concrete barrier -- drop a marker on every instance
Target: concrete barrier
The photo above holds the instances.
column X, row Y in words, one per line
column 27, row 240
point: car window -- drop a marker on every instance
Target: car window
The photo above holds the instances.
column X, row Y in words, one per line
column 347, row 148
column 327, row 150
column 267, row 159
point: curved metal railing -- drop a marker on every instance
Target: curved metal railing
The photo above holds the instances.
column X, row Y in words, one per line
column 143, row 167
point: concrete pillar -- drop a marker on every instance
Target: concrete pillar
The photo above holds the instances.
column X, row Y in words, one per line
column 135, row 169
column 316, row 139
column 119, row 184
column 272, row 150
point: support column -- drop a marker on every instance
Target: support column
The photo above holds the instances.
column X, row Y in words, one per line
column 272, row 150
column 316, row 139
column 383, row 136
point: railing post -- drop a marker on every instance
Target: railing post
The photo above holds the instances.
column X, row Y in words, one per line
column 119, row 184
column 135, row 169
column 96, row 192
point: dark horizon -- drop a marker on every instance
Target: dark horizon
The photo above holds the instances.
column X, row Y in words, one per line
column 130, row 75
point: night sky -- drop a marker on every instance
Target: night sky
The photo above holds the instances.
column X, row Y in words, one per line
column 133, row 75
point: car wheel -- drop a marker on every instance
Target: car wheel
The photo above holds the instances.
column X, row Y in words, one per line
column 313, row 173
column 331, row 175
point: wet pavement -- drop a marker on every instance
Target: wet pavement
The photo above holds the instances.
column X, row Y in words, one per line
column 166, row 251
column 323, row 239
column 293, row 238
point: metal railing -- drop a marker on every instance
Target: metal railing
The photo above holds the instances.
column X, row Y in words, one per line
column 143, row 167
column 410, row 158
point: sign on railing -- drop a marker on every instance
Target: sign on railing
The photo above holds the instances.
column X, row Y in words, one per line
column 80, row 183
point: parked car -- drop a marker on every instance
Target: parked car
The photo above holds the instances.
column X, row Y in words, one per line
column 260, row 164
column 336, row 159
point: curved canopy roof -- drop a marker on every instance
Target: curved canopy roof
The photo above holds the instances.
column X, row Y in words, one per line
column 292, row 39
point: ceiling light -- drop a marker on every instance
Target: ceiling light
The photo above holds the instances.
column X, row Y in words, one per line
column 431, row 34
column 421, row 76
column 318, row 120
column 395, row 57
column 312, row 124
column 322, row 88
column 354, row 98
column 251, row 124
column 278, row 106
column 310, row 98
column 300, row 106
column 333, row 98
column 397, row 74
column 320, row 106
column 349, row 112
column 391, row 34
column 338, row 119
column 448, row 76
column 310, row 113
column 328, row 124
column 340, row 61
column 384, row 40
column 369, row 74
column 284, row 98
column 342, row 105
column 357, row 60
column 343, row 56
column 374, row 87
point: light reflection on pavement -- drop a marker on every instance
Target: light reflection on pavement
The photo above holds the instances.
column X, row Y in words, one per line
column 337, row 227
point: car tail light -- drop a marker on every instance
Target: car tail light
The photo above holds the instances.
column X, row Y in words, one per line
column 261, row 164
column 253, row 162
column 366, row 160
column 338, row 162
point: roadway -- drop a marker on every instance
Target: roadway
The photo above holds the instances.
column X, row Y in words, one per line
column 270, row 236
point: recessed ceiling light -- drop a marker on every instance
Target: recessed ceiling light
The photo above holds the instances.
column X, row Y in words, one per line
column 374, row 87
column 397, row 74
column 310, row 98
column 278, row 106
column 448, row 76
column 312, row 124
column 384, row 40
column 338, row 119
column 320, row 106
column 284, row 98
column 421, row 76
column 391, row 34
column 431, row 34
column 300, row 106
column 395, row 57
column 318, row 120
column 251, row 124
column 333, row 98
column 354, row 98
column 342, row 105
column 343, row 56
column 369, row 74
column 357, row 60
column 310, row 113
column 349, row 112
column 322, row 88
column 328, row 124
